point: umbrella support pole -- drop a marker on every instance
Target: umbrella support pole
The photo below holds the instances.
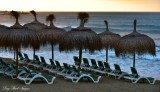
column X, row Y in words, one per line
column 16, row 62
column 107, row 55
column 134, row 58
column 80, row 58
column 14, row 54
column 34, row 51
column 52, row 51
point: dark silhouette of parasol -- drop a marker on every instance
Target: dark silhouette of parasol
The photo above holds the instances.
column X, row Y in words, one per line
column 108, row 39
column 51, row 34
column 80, row 38
column 35, row 26
column 17, row 36
column 135, row 43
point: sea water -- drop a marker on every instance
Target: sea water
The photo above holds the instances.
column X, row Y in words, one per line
column 121, row 23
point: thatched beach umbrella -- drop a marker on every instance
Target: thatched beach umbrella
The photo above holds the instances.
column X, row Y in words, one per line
column 135, row 43
column 18, row 36
column 108, row 39
column 51, row 33
column 80, row 38
column 35, row 26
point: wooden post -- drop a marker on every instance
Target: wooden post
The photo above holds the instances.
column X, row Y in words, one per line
column 134, row 58
column 34, row 51
column 107, row 55
column 52, row 52
column 80, row 58
column 16, row 62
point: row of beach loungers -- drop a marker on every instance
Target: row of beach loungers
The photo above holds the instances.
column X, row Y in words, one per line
column 104, row 69
column 28, row 75
column 25, row 74
column 92, row 72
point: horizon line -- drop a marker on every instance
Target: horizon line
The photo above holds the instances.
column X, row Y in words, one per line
column 84, row 11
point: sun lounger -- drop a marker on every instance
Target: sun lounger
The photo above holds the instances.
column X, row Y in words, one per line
column 135, row 77
column 81, row 76
column 66, row 71
column 36, row 62
column 77, row 75
column 29, row 79
column 57, row 69
column 50, row 66
column 25, row 71
column 100, row 69
column 103, row 69
column 117, row 73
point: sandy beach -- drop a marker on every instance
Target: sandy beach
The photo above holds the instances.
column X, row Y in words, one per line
column 106, row 84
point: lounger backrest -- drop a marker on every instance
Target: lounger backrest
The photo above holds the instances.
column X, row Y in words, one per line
column 76, row 60
column 100, row 64
column 86, row 63
column 52, row 62
column 26, row 56
column 57, row 63
column 93, row 62
column 36, row 58
column 107, row 65
column 134, row 71
column 20, row 55
column 117, row 68
column 43, row 60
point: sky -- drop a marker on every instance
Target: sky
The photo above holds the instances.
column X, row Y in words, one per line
column 82, row 5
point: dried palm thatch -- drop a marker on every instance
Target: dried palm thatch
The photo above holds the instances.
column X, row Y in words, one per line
column 108, row 39
column 135, row 43
column 18, row 36
column 80, row 38
column 51, row 33
column 35, row 26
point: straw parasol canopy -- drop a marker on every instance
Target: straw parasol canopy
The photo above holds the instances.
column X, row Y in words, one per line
column 135, row 43
column 18, row 36
column 51, row 33
column 2, row 27
column 80, row 38
column 108, row 39
column 35, row 26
